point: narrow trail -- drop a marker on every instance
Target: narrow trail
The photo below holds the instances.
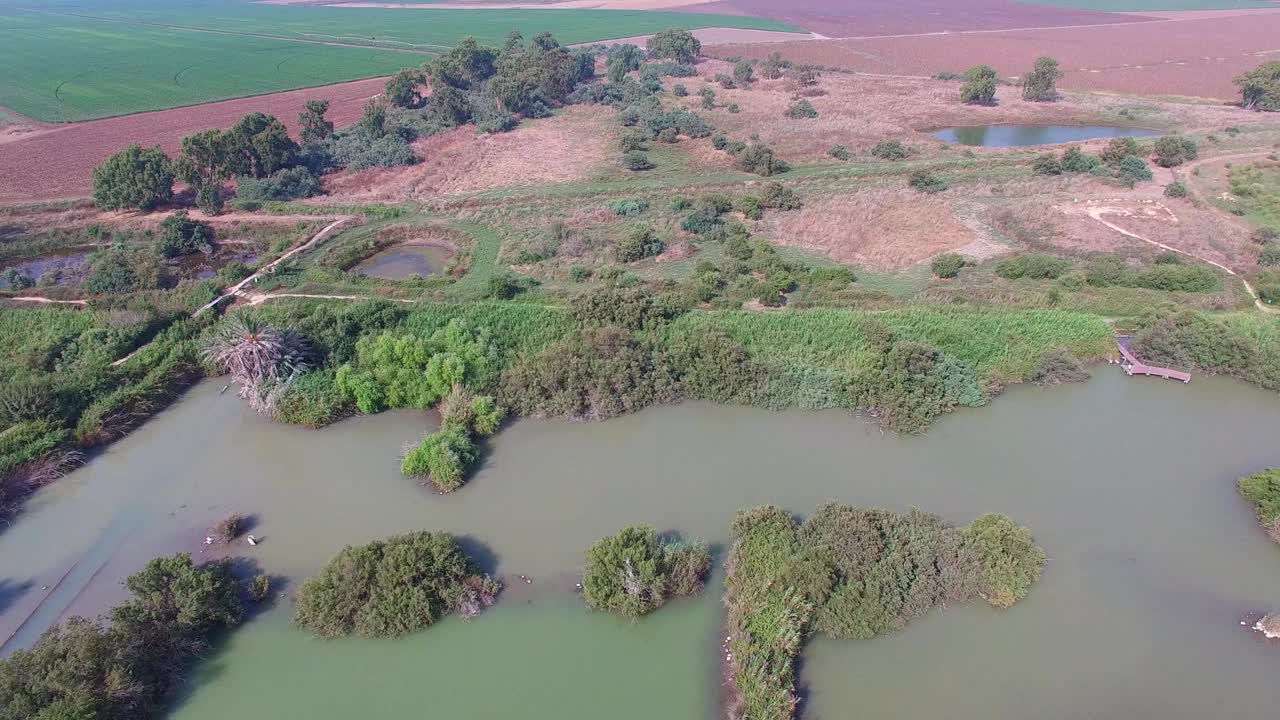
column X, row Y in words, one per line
column 257, row 298
column 1099, row 212
column 51, row 301
column 237, row 289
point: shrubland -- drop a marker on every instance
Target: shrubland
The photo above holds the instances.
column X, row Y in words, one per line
column 634, row 572
column 393, row 587
column 131, row 663
column 1262, row 490
column 855, row 573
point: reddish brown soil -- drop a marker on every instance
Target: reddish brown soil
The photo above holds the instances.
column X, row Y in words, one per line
column 857, row 18
column 57, row 163
column 1196, row 55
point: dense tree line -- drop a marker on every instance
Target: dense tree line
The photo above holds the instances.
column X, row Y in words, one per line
column 128, row 665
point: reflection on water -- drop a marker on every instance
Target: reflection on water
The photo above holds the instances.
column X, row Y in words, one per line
column 1020, row 135
column 1128, row 483
column 403, row 261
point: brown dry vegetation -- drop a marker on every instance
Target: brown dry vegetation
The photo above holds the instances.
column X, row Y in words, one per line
column 858, row 111
column 566, row 147
column 881, row 229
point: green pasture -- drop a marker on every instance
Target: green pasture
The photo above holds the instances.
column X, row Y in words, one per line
column 68, row 60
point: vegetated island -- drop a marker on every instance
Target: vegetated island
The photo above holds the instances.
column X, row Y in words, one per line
column 852, row 572
column 634, row 572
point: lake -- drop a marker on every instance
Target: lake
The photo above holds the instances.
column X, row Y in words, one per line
column 1021, row 135
column 1128, row 484
column 404, row 261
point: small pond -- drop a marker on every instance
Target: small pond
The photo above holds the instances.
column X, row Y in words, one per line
column 404, row 261
column 66, row 267
column 1022, row 135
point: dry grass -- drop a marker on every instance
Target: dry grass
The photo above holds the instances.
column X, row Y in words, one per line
column 559, row 149
column 881, row 229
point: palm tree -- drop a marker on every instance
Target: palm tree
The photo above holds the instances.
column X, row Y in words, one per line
column 253, row 351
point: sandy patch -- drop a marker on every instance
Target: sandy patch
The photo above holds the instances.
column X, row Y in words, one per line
column 559, row 149
column 880, row 229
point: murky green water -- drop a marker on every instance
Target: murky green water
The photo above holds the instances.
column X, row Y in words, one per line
column 1021, row 135
column 1127, row 483
column 403, row 261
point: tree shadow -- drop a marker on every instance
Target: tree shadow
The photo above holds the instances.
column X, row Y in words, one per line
column 483, row 555
column 245, row 569
column 11, row 590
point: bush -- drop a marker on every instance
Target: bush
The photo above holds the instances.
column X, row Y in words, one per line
column 890, row 150
column 287, row 184
column 1270, row 255
column 926, row 182
column 1263, row 491
column 1076, row 161
column 1133, row 169
column 1173, row 150
column 1175, row 189
column 136, row 177
column 1055, row 367
column 839, row 152
column 1011, row 562
column 444, row 457
column 780, row 197
column 640, row 243
column 759, row 159
column 1118, row 149
column 636, row 161
column 1033, row 266
column 947, row 265
column 180, row 235
column 679, row 90
column 393, row 587
column 801, row 109
column 979, row 87
column 357, row 150
column 409, row 371
column 634, row 573
column 628, row 207
column 1047, row 164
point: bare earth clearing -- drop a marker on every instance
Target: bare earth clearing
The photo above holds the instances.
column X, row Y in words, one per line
column 57, row 161
column 1194, row 56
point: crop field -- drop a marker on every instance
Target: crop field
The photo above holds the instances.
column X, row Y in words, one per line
column 90, row 59
column 1195, row 57
column 864, row 18
column 1154, row 5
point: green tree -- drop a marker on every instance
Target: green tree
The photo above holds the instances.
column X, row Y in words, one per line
column 393, row 587
column 1260, row 87
column 135, row 177
column 468, row 64
column 403, row 89
column 801, row 109
column 1173, row 150
column 205, row 162
column 260, row 145
column 1011, row 561
column 743, row 73
column 980, row 86
column 773, row 66
column 640, row 243
column 373, row 119
column 634, row 573
column 675, row 44
column 444, row 457
column 180, row 235
column 313, row 127
column 947, row 265
column 1041, row 84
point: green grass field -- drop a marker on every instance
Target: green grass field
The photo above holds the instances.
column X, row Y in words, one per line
column 1140, row 5
column 83, row 59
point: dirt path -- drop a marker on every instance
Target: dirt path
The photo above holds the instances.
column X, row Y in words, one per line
column 238, row 288
column 257, row 298
column 1099, row 213
column 51, row 301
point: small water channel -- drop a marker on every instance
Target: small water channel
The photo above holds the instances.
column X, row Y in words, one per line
column 1023, row 135
column 404, row 261
column 1128, row 483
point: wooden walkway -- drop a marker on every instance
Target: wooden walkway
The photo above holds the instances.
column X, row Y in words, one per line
column 1133, row 366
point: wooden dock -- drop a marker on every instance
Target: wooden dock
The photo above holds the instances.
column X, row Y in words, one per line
column 1133, row 366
